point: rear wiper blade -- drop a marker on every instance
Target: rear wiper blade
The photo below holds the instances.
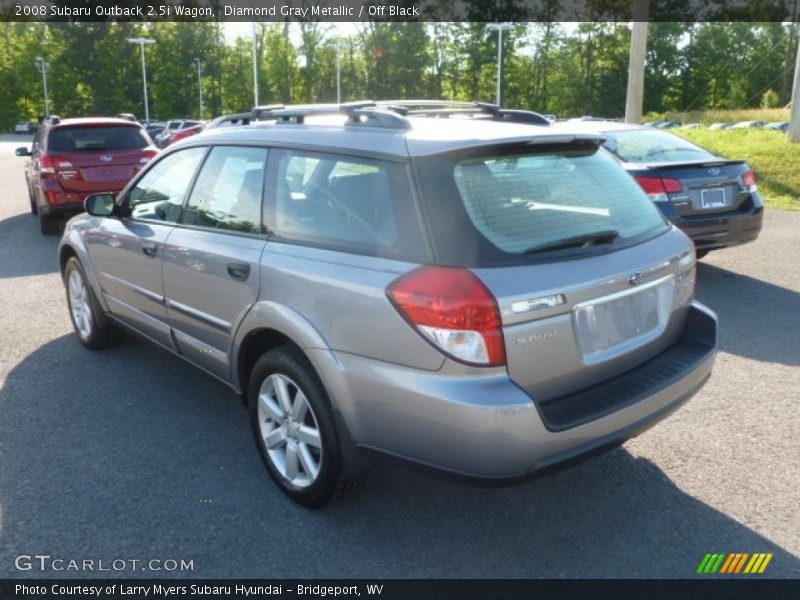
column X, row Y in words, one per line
column 597, row 237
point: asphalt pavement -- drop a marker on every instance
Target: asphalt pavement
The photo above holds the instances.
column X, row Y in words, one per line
column 132, row 454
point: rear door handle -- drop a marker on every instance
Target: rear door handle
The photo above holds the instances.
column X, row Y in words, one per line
column 150, row 249
column 239, row 271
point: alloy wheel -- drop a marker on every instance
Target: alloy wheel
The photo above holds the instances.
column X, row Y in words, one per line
column 289, row 430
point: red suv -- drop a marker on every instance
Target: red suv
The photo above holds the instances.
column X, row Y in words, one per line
column 73, row 158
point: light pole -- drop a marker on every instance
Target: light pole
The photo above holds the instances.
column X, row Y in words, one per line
column 142, row 43
column 255, row 66
column 339, row 47
column 199, row 64
column 499, row 28
column 44, row 67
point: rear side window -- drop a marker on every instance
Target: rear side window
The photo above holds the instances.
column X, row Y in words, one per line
column 345, row 203
column 228, row 191
column 96, row 139
column 498, row 207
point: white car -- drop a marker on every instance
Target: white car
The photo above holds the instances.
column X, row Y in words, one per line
column 24, row 127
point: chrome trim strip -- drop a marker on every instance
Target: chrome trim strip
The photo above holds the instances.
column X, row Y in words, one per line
column 199, row 314
column 635, row 289
column 136, row 288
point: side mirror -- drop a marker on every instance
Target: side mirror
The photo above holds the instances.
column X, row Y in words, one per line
column 23, row 151
column 100, row 205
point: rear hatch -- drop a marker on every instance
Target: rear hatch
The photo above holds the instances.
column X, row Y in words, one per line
column 90, row 158
column 589, row 279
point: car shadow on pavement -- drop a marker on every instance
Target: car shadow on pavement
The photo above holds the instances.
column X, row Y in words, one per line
column 130, row 453
column 24, row 250
column 757, row 320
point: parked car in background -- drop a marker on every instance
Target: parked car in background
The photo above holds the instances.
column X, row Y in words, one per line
column 24, row 127
column 164, row 138
column 479, row 296
column 666, row 124
column 749, row 125
column 72, row 158
column 692, row 126
column 714, row 200
column 154, row 129
column 778, row 125
column 127, row 116
column 718, row 126
column 186, row 132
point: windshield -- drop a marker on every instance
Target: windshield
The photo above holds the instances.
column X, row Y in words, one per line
column 652, row 145
column 521, row 202
column 96, row 139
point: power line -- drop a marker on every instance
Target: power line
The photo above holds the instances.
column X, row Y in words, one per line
column 727, row 66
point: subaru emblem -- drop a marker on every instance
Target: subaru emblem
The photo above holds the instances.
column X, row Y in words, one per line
column 713, row 171
column 106, row 158
column 635, row 278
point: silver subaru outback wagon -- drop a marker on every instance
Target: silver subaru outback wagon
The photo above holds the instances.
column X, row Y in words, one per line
column 470, row 293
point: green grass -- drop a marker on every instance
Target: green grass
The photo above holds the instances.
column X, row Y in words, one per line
column 706, row 117
column 775, row 160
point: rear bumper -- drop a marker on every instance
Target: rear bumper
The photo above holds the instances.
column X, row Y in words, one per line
column 721, row 230
column 485, row 427
column 68, row 209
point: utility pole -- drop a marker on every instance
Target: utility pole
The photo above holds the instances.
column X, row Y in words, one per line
column 199, row 64
column 44, row 68
column 638, row 54
column 142, row 43
column 793, row 133
column 339, row 47
column 499, row 28
column 255, row 66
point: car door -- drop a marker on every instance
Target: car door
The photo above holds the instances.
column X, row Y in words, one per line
column 126, row 252
column 211, row 258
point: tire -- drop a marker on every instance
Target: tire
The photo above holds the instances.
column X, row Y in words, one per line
column 701, row 253
column 49, row 225
column 303, row 440
column 32, row 199
column 92, row 327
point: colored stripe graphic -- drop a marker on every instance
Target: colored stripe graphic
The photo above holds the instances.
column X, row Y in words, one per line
column 703, row 563
column 767, row 558
column 728, row 562
column 714, row 563
column 734, row 563
column 741, row 563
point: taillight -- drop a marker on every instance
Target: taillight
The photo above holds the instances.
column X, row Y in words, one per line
column 651, row 185
column 657, row 188
column 749, row 181
column 46, row 166
column 147, row 156
column 65, row 169
column 454, row 311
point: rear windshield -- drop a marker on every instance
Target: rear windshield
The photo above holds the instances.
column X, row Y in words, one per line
column 96, row 139
column 518, row 202
column 652, row 145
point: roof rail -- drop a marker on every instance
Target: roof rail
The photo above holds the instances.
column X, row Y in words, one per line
column 447, row 108
column 363, row 112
